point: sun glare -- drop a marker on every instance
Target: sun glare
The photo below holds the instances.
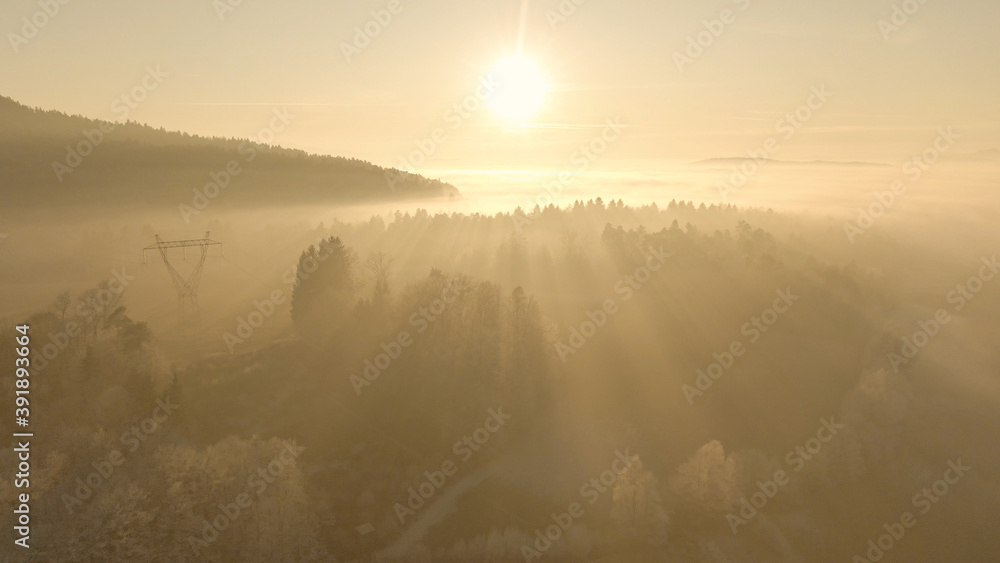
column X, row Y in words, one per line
column 520, row 89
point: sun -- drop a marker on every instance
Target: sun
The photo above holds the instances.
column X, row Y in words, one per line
column 520, row 89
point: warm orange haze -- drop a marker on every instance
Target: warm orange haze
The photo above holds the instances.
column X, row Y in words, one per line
column 500, row 281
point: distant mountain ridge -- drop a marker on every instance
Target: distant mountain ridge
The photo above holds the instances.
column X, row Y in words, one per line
column 740, row 159
column 48, row 158
column 987, row 155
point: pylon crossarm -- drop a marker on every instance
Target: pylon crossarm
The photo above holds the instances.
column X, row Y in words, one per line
column 183, row 244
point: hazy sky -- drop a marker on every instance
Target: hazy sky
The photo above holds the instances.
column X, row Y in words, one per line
column 607, row 59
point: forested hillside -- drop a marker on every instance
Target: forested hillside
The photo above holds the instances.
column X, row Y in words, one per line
column 61, row 160
column 639, row 378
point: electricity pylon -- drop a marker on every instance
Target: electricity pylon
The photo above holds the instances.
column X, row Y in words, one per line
column 187, row 288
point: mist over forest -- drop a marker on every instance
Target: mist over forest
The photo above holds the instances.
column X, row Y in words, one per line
column 510, row 281
column 421, row 386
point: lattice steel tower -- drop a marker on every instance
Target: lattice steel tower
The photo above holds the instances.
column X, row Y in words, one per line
column 187, row 288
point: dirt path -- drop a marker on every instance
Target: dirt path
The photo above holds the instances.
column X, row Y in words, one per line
column 439, row 510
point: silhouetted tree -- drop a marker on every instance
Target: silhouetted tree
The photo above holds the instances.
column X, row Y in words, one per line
column 62, row 303
column 324, row 285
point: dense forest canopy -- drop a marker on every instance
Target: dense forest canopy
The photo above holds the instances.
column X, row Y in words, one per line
column 675, row 383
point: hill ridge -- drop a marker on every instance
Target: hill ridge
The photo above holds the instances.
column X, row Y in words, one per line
column 44, row 152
